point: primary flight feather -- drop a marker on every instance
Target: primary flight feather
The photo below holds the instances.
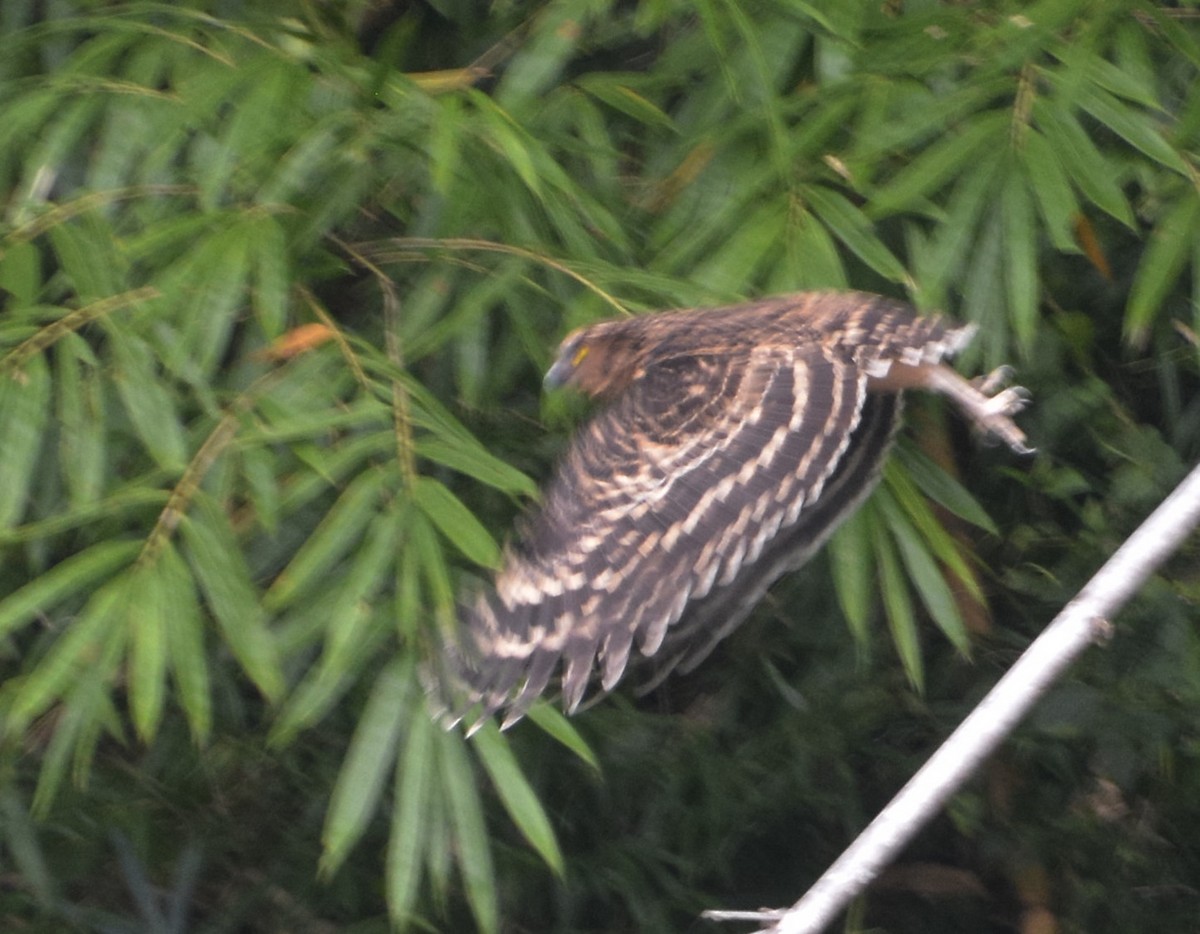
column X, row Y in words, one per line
column 732, row 443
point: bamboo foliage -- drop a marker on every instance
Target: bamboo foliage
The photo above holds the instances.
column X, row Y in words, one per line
column 267, row 295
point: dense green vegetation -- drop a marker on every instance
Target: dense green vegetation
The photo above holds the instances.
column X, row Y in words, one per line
column 279, row 280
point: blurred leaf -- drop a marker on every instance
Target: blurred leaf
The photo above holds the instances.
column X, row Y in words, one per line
column 519, row 798
column 220, row 569
column 456, row 522
column 148, row 628
column 91, row 644
column 369, row 760
column 473, row 851
column 942, row 161
column 340, row 528
column 1161, row 264
column 24, row 400
column 185, row 643
column 852, row 227
column 898, row 606
column 73, row 575
column 1020, row 260
column 552, row 722
column 849, row 549
column 416, row 783
column 474, row 460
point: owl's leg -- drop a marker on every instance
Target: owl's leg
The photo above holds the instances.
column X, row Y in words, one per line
column 988, row 405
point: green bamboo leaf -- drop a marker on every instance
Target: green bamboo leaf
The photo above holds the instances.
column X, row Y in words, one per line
column 472, row 847
column 557, row 29
column 1139, row 129
column 899, row 486
column 352, row 633
column 82, row 419
column 305, row 162
column 476, row 461
column 24, row 404
column 209, row 285
column 185, row 643
column 21, row 271
column 456, row 522
column 943, row 488
column 931, row 585
column 341, row 528
column 849, row 551
column 93, row 636
column 86, row 249
column 56, row 760
column 220, row 569
column 371, row 756
column 506, row 135
column 852, row 227
column 445, row 144
column 614, row 90
column 1167, row 252
column 943, row 160
column 551, row 721
column 147, row 671
column 21, row 840
column 74, row 575
column 147, row 400
column 271, row 274
column 518, row 797
column 745, row 249
column 1051, row 188
column 898, row 606
column 1083, row 162
column 416, row 779
column 1020, row 260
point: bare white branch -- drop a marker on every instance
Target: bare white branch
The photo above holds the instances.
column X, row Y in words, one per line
column 1083, row 620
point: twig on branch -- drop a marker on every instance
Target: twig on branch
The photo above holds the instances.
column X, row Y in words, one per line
column 1083, row 620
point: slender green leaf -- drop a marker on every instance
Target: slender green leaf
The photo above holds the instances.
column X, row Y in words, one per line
column 147, row 400
column 82, row 421
column 416, row 784
column 24, row 400
column 456, row 522
column 1083, row 162
column 551, row 721
column 1020, row 261
column 1051, row 188
column 72, row 576
column 851, row 226
column 898, row 606
column 931, row 585
column 520, row 800
column 942, row 161
column 340, row 529
column 185, row 643
column 220, row 568
column 1170, row 244
column 473, row 849
column 850, row 561
column 474, row 460
column 147, row 674
column 943, row 488
column 87, row 639
column 369, row 760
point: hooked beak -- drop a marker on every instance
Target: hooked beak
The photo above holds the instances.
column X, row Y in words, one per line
column 558, row 374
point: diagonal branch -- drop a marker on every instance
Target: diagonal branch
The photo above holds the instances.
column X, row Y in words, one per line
column 1082, row 621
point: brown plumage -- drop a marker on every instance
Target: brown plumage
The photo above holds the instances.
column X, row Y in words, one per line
column 733, row 442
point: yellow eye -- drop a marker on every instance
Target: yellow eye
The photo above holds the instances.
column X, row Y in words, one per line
column 579, row 355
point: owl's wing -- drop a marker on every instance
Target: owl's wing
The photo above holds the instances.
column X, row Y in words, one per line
column 663, row 499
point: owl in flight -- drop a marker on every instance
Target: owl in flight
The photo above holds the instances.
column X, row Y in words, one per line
column 731, row 444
